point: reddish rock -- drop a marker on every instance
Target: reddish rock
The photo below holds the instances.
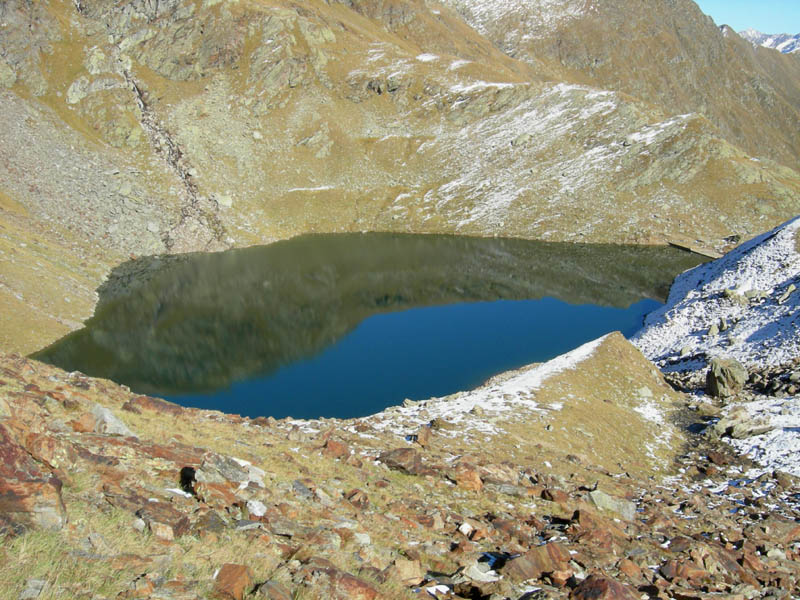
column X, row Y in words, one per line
column 630, row 568
column 554, row 495
column 598, row 587
column 354, row 461
column 335, row 449
column 424, row 436
column 357, row 498
column 215, row 494
column 83, row 424
column 682, row 570
column 466, row 476
column 538, row 561
column 340, row 585
column 718, row 458
column 272, row 590
column 55, row 453
column 232, row 581
column 405, row 460
column 156, row 405
column 30, row 496
column 407, row 572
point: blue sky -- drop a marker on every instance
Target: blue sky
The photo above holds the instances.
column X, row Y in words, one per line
column 768, row 16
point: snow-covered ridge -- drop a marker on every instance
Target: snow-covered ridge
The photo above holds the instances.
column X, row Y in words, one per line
column 748, row 295
column 746, row 290
column 782, row 42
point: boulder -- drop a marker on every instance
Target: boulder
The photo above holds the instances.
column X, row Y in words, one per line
column 725, row 378
column 538, row 561
column 107, row 422
column 623, row 508
column 405, row 460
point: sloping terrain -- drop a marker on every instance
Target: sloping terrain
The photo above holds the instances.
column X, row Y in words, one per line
column 667, row 53
column 142, row 128
column 524, row 486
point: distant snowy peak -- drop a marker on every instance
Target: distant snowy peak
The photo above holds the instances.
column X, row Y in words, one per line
column 782, row 42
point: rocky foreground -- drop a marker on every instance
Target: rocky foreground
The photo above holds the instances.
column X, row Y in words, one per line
column 575, row 479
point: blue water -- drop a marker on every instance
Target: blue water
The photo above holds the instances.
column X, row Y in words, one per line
column 420, row 353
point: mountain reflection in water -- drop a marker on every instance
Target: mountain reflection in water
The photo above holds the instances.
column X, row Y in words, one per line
column 197, row 323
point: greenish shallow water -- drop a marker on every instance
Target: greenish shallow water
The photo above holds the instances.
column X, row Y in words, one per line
column 345, row 325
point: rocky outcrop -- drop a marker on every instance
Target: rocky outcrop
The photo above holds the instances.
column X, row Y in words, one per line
column 725, row 378
column 30, row 495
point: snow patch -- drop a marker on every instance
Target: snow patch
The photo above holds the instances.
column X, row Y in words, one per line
column 760, row 332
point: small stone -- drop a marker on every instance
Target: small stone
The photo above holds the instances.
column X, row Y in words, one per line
column 335, row 449
column 162, row 531
column 139, row 525
column 256, row 508
column 713, row 331
column 476, row 573
column 257, row 135
column 153, row 227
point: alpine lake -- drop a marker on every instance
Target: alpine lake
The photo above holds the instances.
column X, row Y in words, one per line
column 344, row 325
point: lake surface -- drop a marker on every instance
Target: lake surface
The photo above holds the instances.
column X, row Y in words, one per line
column 345, row 325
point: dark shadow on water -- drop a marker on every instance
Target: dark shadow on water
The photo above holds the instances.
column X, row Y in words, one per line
column 197, row 323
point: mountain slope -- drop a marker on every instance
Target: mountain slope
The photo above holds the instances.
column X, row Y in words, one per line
column 668, row 53
column 142, row 128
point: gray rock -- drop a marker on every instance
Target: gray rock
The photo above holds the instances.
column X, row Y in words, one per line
column 725, row 378
column 738, row 424
column 624, row 508
column 33, row 589
column 217, row 468
column 785, row 296
column 107, row 422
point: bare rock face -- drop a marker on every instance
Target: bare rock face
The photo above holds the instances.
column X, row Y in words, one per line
column 30, row 496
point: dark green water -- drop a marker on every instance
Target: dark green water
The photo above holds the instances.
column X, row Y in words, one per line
column 345, row 325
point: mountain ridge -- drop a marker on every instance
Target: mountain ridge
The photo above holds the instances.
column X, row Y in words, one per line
column 785, row 43
column 184, row 125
